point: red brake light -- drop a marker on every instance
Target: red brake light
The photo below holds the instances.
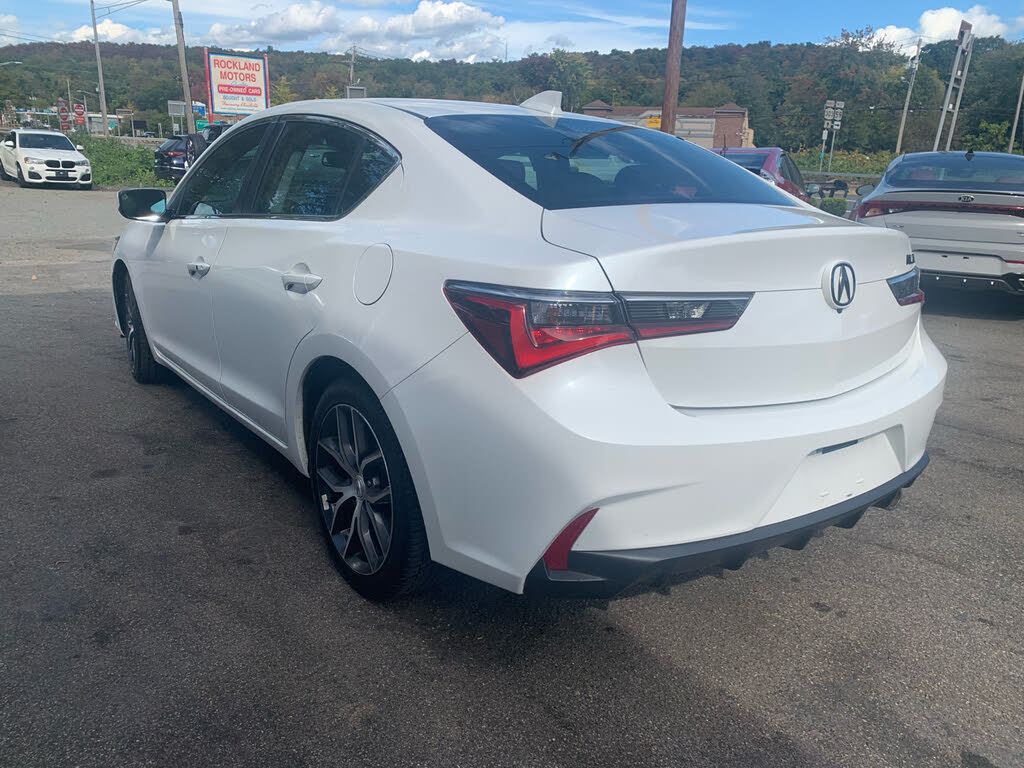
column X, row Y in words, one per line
column 556, row 557
column 527, row 330
column 174, row 154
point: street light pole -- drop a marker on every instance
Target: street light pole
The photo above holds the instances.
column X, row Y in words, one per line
column 99, row 70
column 910, row 89
column 670, row 102
column 186, row 91
column 1016, row 115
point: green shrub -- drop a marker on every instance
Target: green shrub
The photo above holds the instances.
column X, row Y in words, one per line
column 843, row 161
column 118, row 164
column 834, row 205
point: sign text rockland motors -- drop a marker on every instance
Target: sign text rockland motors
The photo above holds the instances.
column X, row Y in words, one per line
column 237, row 84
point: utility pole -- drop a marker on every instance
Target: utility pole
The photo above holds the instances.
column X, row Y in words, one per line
column 99, row 71
column 352, row 65
column 961, row 61
column 70, row 102
column 1016, row 115
column 185, row 90
column 670, row 103
column 910, row 89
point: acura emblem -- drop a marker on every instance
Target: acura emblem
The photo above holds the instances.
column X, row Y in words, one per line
column 839, row 285
column 966, row 198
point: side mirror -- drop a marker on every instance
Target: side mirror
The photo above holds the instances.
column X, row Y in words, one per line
column 79, row 147
column 865, row 189
column 813, row 189
column 142, row 204
column 9, row 144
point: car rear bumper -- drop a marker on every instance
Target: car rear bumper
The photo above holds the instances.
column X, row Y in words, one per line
column 1010, row 282
column 502, row 466
column 603, row 574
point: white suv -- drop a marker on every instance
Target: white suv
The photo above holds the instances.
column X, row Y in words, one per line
column 43, row 157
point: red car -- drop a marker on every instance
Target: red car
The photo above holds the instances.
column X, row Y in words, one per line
column 772, row 163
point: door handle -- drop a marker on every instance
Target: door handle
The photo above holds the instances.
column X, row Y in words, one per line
column 300, row 282
column 198, row 269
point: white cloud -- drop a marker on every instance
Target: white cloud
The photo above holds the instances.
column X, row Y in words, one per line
column 299, row 21
column 10, row 26
column 436, row 29
column 944, row 24
column 112, row 32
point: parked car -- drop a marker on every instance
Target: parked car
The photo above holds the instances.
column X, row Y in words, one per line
column 963, row 212
column 169, row 159
column 773, row 164
column 197, row 143
column 37, row 157
column 148, row 135
column 550, row 351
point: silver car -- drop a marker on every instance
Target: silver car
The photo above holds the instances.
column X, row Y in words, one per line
column 963, row 211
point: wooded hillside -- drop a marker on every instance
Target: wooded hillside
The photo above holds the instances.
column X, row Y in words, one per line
column 784, row 86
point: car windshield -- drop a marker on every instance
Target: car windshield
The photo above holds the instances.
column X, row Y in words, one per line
column 44, row 141
column 752, row 161
column 573, row 162
column 998, row 173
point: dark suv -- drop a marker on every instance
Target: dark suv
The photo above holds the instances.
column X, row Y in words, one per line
column 169, row 159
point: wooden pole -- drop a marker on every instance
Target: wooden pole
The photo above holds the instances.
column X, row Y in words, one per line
column 670, row 104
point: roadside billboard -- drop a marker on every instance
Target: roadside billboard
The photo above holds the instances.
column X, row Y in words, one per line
column 237, row 85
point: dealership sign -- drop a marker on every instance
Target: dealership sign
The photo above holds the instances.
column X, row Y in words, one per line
column 237, row 85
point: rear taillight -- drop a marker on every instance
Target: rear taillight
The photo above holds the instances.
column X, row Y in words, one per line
column 907, row 288
column 652, row 315
column 883, row 207
column 528, row 330
column 174, row 154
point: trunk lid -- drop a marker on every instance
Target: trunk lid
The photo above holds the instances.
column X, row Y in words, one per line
column 973, row 217
column 789, row 345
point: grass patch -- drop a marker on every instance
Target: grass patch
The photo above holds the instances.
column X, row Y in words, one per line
column 118, row 164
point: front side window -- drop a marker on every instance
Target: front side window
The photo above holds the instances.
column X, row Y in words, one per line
column 321, row 169
column 579, row 163
column 215, row 187
column 44, row 141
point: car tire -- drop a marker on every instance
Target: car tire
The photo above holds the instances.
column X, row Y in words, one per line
column 364, row 494
column 21, row 179
column 3, row 172
column 141, row 363
column 195, row 145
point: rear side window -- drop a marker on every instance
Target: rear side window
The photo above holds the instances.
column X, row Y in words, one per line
column 574, row 162
column 955, row 171
column 320, row 169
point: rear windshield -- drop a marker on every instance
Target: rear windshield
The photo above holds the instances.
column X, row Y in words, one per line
column 172, row 145
column 752, row 161
column 998, row 173
column 572, row 162
column 44, row 141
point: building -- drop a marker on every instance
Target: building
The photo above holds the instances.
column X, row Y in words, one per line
column 708, row 127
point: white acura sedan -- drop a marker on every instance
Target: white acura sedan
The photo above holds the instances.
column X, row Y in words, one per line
column 557, row 353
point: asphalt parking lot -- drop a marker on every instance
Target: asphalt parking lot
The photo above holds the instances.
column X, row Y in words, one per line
column 166, row 598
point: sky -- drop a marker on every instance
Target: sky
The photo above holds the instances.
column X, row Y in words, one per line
column 480, row 30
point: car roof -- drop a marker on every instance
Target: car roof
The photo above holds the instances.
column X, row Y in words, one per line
column 37, row 130
column 422, row 108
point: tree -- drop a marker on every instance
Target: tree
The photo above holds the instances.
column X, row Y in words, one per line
column 281, row 91
column 570, row 75
column 990, row 137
